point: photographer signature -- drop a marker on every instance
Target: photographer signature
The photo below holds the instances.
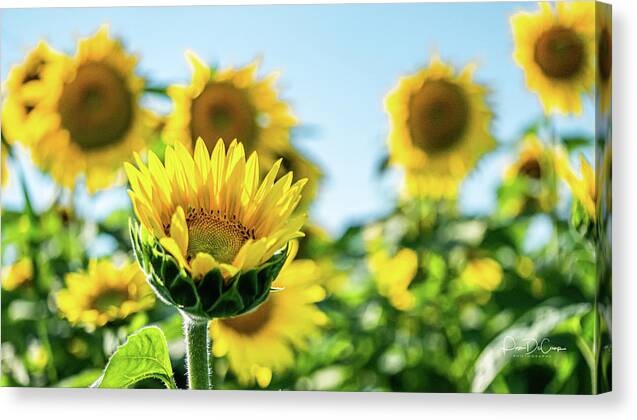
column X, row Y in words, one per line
column 530, row 347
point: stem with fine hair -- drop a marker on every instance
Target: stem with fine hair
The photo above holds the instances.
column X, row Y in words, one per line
column 197, row 352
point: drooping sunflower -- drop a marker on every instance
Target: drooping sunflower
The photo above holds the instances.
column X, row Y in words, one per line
column 262, row 342
column 582, row 186
column 229, row 104
column 213, row 211
column 604, row 38
column 92, row 120
column 104, row 293
column 556, row 49
column 393, row 275
column 439, row 128
column 25, row 88
column 17, row 274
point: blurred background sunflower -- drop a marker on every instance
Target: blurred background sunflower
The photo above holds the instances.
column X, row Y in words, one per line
column 439, row 128
column 262, row 343
column 555, row 46
column 604, row 44
column 89, row 116
column 26, row 86
column 230, row 104
column 104, row 293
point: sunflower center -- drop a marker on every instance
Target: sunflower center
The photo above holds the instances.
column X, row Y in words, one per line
column 531, row 168
column 438, row 116
column 216, row 234
column 222, row 111
column 96, row 107
column 252, row 322
column 109, row 299
column 560, row 53
column 605, row 54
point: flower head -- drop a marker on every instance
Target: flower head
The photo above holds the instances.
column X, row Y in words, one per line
column 555, row 48
column 89, row 120
column 530, row 179
column 104, row 293
column 230, row 104
column 604, row 44
column 439, row 123
column 213, row 213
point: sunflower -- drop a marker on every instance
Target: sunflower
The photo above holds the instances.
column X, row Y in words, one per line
column 533, row 161
column 535, row 168
column 262, row 342
column 604, row 39
column 555, row 47
column 104, row 293
column 439, row 127
column 91, row 119
column 583, row 187
column 212, row 211
column 25, row 88
column 485, row 273
column 393, row 276
column 18, row 274
column 229, row 104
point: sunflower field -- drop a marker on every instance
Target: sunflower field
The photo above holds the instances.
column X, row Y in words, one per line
column 214, row 271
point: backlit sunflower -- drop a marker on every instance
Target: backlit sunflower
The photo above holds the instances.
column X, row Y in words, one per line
column 439, row 128
column 25, row 88
column 92, row 119
column 262, row 342
column 104, row 293
column 556, row 49
column 582, row 186
column 604, row 39
column 17, row 274
column 229, row 104
column 393, row 276
column 213, row 211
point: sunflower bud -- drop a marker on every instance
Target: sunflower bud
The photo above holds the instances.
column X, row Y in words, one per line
column 208, row 297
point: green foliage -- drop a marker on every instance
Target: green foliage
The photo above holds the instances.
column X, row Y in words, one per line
column 143, row 356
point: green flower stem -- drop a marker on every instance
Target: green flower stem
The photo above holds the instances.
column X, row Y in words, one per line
column 197, row 352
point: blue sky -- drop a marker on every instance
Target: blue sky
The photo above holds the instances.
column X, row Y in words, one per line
column 337, row 64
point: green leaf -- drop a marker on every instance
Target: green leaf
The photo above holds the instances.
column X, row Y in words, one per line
column 143, row 356
column 83, row 379
column 534, row 325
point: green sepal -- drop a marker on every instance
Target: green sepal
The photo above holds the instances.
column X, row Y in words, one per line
column 211, row 296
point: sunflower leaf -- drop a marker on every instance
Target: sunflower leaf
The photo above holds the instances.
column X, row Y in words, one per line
column 143, row 356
